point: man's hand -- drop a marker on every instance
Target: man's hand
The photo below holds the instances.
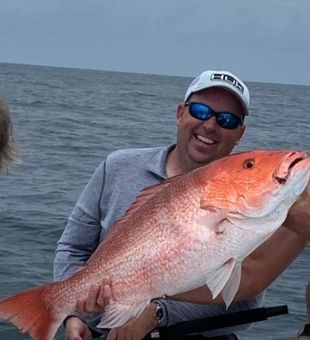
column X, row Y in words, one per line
column 298, row 218
column 98, row 298
column 137, row 328
column 76, row 329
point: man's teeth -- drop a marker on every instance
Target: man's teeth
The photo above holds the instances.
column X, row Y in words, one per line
column 205, row 140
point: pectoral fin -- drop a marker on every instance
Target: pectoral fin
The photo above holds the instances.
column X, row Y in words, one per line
column 217, row 279
column 232, row 285
column 213, row 218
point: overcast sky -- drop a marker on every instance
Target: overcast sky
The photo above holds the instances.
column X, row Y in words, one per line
column 265, row 40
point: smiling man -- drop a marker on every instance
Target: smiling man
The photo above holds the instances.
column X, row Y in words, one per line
column 210, row 122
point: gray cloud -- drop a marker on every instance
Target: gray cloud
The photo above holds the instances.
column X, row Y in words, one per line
column 264, row 41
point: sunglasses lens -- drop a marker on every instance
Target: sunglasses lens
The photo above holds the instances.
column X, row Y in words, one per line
column 225, row 120
column 200, row 111
column 228, row 120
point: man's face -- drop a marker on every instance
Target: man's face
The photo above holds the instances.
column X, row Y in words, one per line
column 200, row 142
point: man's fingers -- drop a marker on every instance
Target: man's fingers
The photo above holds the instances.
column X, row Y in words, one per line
column 106, row 282
column 98, row 297
column 91, row 300
column 104, row 297
column 80, row 305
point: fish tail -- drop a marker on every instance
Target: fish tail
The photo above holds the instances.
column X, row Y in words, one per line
column 34, row 312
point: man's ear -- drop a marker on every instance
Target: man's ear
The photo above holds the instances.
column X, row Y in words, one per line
column 180, row 113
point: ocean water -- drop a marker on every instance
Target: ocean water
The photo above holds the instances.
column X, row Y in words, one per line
column 68, row 120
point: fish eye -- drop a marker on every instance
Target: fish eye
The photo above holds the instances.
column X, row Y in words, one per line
column 248, row 163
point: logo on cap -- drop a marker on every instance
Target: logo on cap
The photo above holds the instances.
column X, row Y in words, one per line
column 229, row 79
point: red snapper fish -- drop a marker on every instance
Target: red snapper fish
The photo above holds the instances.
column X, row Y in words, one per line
column 190, row 231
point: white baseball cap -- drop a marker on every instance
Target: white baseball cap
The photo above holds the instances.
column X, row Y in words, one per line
column 225, row 80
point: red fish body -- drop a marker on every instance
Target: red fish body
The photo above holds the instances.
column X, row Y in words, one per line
column 187, row 232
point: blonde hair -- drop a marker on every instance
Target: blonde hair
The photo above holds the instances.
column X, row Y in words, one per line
column 8, row 149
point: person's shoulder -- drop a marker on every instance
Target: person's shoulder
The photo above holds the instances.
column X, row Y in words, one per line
column 133, row 154
column 128, row 158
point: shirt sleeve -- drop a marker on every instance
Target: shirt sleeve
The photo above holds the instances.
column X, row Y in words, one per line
column 82, row 233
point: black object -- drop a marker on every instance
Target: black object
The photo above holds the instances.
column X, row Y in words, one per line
column 216, row 322
column 184, row 329
column 305, row 331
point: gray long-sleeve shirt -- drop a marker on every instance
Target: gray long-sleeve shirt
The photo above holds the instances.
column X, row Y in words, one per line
column 111, row 190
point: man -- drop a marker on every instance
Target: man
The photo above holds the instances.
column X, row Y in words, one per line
column 8, row 151
column 210, row 122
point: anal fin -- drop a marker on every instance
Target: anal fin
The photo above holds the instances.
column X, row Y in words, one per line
column 117, row 314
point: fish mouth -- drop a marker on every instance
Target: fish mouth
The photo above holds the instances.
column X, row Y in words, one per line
column 288, row 165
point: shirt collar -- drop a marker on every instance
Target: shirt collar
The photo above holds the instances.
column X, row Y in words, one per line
column 158, row 162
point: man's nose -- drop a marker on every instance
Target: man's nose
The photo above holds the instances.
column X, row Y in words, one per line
column 211, row 123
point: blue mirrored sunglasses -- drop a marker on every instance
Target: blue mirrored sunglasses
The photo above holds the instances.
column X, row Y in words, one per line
column 226, row 120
